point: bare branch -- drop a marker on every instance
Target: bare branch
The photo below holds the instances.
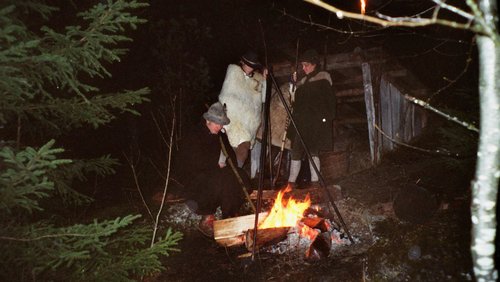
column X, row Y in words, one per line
column 136, row 180
column 455, row 10
column 439, row 152
column 155, row 229
column 426, row 105
column 488, row 25
column 462, row 73
column 390, row 21
column 310, row 22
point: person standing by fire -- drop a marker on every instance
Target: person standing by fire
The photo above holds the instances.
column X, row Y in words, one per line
column 206, row 184
column 244, row 92
column 313, row 113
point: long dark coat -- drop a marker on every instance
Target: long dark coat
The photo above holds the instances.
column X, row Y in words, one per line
column 314, row 111
column 196, row 167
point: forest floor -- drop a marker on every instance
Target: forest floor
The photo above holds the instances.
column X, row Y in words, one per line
column 409, row 215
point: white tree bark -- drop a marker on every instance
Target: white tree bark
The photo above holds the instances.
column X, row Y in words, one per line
column 485, row 184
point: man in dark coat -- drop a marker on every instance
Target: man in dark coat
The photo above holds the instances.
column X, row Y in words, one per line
column 313, row 113
column 206, row 184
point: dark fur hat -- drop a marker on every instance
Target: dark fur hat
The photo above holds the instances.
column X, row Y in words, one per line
column 310, row 56
column 251, row 59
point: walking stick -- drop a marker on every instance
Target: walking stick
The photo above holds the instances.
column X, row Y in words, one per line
column 233, row 167
column 262, row 159
column 282, row 148
column 294, row 86
column 321, row 180
column 283, row 140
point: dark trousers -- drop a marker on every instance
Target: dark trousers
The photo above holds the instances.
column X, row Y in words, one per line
column 218, row 187
column 298, row 151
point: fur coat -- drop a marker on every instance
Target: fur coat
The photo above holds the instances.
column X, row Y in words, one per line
column 243, row 96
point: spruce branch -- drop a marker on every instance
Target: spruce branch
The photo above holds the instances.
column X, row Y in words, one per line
column 47, row 77
column 69, row 113
column 79, row 170
column 23, row 177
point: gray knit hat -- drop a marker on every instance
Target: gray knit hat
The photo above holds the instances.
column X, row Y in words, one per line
column 217, row 114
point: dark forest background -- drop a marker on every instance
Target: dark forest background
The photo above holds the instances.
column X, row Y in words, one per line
column 180, row 53
column 186, row 47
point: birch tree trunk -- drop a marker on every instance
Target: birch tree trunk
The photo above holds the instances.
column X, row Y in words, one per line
column 485, row 185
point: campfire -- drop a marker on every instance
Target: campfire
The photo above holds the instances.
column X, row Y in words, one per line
column 290, row 225
column 285, row 212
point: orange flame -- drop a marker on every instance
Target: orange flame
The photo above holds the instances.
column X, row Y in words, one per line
column 363, row 6
column 285, row 213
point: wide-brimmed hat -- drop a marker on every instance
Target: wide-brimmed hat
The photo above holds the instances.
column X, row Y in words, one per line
column 310, row 56
column 251, row 59
column 217, row 114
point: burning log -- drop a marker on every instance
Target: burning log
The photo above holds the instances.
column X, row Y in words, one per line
column 265, row 237
column 317, row 223
column 312, row 222
column 320, row 248
column 231, row 231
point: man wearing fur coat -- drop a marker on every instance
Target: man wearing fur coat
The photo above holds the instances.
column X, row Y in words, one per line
column 313, row 113
column 243, row 93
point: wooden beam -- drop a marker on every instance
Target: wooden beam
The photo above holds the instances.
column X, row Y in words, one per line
column 370, row 111
column 350, row 121
column 351, row 100
column 349, row 92
column 358, row 79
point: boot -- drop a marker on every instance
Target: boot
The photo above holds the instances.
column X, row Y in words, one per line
column 206, row 225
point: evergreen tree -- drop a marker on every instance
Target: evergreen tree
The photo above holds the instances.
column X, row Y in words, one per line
column 48, row 87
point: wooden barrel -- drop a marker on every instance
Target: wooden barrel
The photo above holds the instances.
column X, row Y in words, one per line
column 334, row 165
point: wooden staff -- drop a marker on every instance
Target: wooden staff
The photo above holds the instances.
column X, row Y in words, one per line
column 283, row 140
column 233, row 167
